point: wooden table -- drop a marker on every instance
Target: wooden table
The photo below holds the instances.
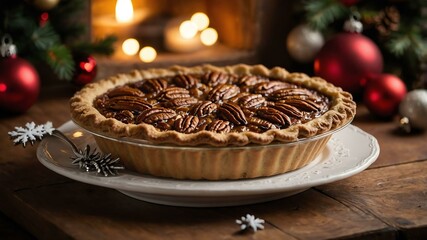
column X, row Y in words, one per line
column 386, row 201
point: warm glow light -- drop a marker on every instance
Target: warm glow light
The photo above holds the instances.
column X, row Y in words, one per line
column 201, row 20
column 124, row 11
column 77, row 134
column 3, row 87
column 188, row 29
column 209, row 36
column 130, row 46
column 147, row 54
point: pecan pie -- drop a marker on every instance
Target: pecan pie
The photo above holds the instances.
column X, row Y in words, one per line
column 208, row 122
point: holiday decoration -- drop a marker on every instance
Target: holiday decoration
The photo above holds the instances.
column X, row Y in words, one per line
column 383, row 94
column 89, row 161
column 347, row 59
column 249, row 221
column 31, row 133
column 47, row 34
column 19, row 80
column 86, row 69
column 414, row 108
column 353, row 25
column 396, row 26
column 45, row 4
column 349, row 2
column 303, row 43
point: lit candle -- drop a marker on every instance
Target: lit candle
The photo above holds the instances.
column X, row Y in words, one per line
column 124, row 23
column 181, row 36
column 209, row 36
column 147, row 54
column 124, row 11
column 130, row 46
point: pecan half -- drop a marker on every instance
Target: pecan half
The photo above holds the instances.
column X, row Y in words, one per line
column 274, row 116
column 125, row 91
column 203, row 109
column 154, row 115
column 261, row 123
column 154, row 85
column 266, row 88
column 187, row 124
column 251, row 80
column 215, row 78
column 219, row 126
column 233, row 113
column 175, row 92
column 303, row 105
column 288, row 109
column 125, row 116
column 132, row 103
column 287, row 93
column 252, row 101
column 223, row 92
column 185, row 81
column 180, row 102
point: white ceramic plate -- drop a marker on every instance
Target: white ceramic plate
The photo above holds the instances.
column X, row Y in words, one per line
column 349, row 152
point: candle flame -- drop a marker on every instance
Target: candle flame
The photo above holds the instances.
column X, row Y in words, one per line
column 124, row 11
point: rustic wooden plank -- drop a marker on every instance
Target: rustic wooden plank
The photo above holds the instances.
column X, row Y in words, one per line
column 395, row 194
column 83, row 211
column 312, row 215
column 11, row 230
column 395, row 147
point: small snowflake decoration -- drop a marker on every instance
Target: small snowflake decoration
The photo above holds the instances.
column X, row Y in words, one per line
column 31, row 133
column 249, row 221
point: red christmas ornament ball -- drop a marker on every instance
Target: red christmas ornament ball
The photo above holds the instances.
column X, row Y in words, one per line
column 19, row 84
column 383, row 94
column 86, row 69
column 349, row 2
column 347, row 59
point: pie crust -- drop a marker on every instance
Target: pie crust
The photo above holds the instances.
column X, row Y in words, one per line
column 208, row 154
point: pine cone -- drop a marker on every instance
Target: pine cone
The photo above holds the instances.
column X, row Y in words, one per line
column 387, row 21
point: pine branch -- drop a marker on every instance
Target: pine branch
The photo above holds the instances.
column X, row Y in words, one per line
column 101, row 46
column 60, row 59
column 320, row 14
column 45, row 37
column 401, row 43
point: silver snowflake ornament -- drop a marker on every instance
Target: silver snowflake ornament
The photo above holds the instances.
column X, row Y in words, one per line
column 93, row 161
column 249, row 221
column 30, row 133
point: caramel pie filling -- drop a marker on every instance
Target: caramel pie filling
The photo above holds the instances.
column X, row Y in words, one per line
column 215, row 101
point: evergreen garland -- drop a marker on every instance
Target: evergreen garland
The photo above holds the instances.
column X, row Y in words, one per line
column 404, row 47
column 54, row 41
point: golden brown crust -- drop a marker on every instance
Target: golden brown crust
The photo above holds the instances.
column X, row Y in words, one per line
column 341, row 111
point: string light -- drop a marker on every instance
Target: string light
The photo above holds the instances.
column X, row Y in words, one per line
column 130, row 46
column 147, row 54
column 209, row 36
column 201, row 20
column 188, row 29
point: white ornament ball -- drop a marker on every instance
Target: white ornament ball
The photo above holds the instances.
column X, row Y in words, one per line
column 303, row 43
column 414, row 107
